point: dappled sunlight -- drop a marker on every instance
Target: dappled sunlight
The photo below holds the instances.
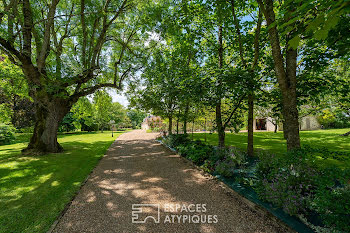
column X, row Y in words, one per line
column 141, row 172
column 35, row 188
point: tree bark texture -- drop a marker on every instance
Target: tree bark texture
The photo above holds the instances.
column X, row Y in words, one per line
column 286, row 77
column 49, row 114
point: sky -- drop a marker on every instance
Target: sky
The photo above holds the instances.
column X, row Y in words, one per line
column 119, row 97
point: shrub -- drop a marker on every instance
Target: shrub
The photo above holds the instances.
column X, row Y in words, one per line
column 287, row 181
column 295, row 183
column 231, row 160
column 174, row 140
column 7, row 134
column 331, row 199
column 197, row 152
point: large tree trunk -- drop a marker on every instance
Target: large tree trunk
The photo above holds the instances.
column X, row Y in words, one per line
column 48, row 117
column 291, row 120
column 250, row 147
column 286, row 76
column 220, row 128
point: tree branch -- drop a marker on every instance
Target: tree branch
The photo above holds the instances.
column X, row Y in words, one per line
column 234, row 110
column 46, row 40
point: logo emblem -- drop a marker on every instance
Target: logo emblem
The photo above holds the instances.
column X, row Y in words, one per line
column 142, row 212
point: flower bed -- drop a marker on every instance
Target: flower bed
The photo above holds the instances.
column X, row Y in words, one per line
column 294, row 183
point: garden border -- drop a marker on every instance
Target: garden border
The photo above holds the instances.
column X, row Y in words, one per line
column 264, row 209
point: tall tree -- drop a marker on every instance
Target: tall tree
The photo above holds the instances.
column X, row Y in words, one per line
column 295, row 21
column 251, row 69
column 64, row 49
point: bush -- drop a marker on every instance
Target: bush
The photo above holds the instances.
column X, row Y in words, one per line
column 287, row 181
column 295, row 183
column 174, row 140
column 231, row 159
column 7, row 134
column 331, row 199
column 196, row 152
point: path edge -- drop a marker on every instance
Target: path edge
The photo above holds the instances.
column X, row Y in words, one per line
column 232, row 193
column 66, row 207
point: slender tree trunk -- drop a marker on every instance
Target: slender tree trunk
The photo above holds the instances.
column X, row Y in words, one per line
column 276, row 126
column 177, row 125
column 185, row 117
column 250, row 147
column 170, row 128
column 221, row 130
column 205, row 129
column 192, row 127
column 48, row 117
column 219, row 124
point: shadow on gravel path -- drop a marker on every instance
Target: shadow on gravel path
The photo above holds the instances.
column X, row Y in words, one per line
column 138, row 170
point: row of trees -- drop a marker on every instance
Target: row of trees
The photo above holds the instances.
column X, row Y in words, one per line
column 280, row 58
column 221, row 56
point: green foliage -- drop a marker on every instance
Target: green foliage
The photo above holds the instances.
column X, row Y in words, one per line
column 136, row 117
column 286, row 181
column 68, row 123
column 334, row 119
column 5, row 113
column 297, row 184
column 333, row 206
column 7, row 134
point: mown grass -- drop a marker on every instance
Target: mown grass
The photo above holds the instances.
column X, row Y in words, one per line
column 275, row 142
column 34, row 190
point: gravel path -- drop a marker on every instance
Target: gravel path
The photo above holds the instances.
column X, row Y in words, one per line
column 138, row 170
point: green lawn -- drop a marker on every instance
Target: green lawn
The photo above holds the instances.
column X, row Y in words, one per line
column 275, row 143
column 34, row 190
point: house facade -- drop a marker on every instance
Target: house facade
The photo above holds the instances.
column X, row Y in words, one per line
column 266, row 124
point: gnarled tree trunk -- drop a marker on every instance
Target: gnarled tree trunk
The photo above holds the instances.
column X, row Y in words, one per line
column 49, row 114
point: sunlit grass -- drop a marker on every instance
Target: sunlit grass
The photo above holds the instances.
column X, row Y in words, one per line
column 34, row 190
column 275, row 142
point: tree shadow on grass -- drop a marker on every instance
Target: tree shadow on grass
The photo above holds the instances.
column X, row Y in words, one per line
column 35, row 189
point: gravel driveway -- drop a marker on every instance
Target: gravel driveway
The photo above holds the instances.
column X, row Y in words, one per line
column 138, row 170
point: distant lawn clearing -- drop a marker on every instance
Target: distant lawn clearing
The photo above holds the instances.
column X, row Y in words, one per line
column 275, row 143
column 34, row 190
